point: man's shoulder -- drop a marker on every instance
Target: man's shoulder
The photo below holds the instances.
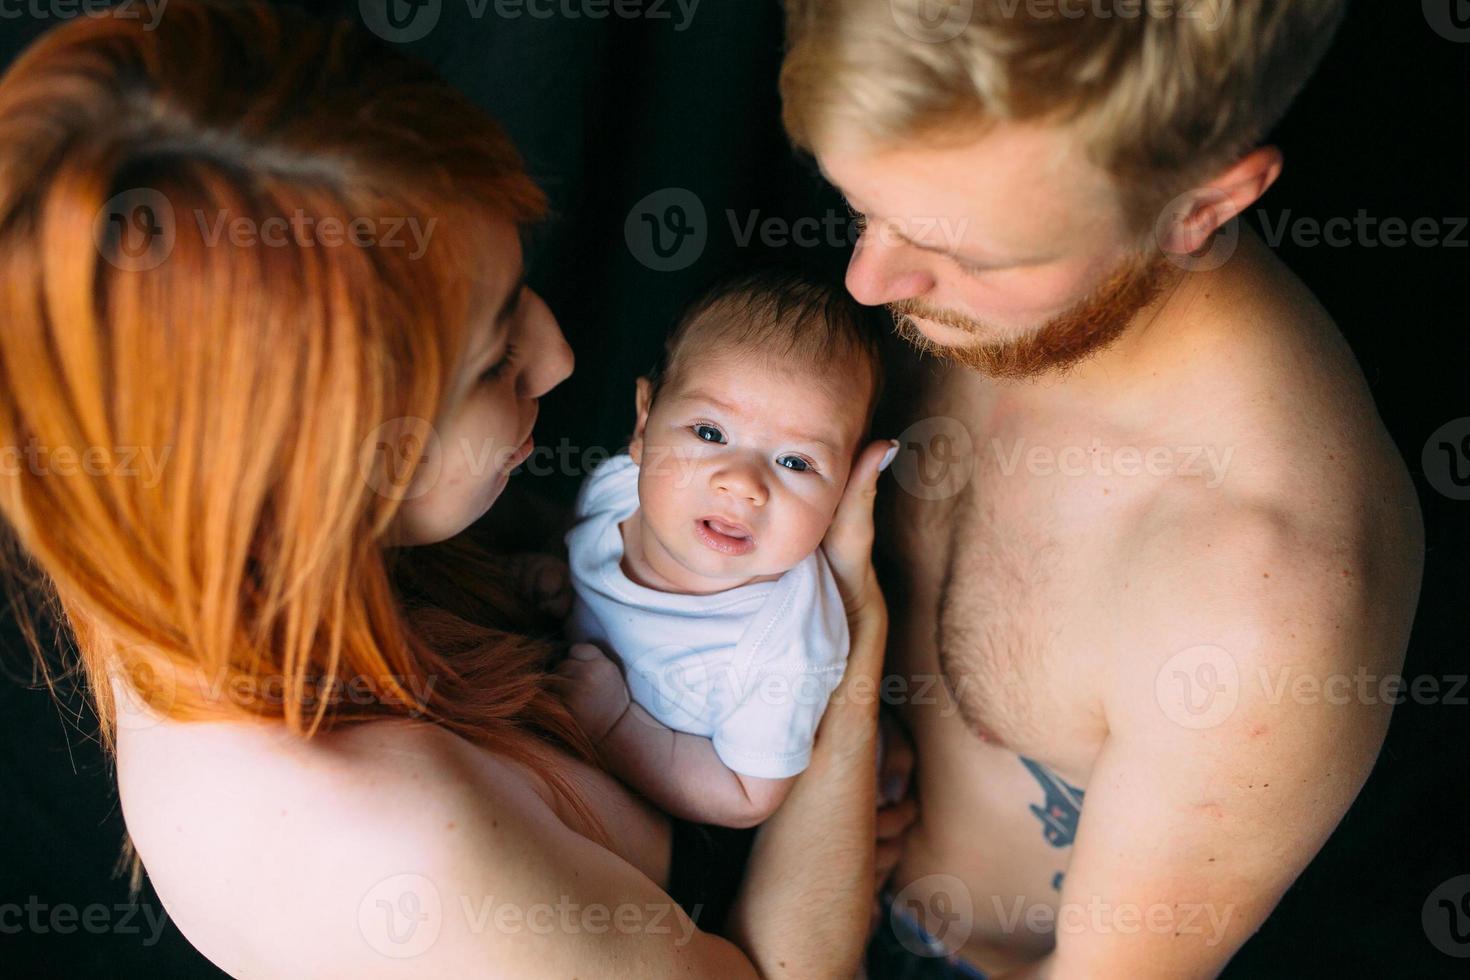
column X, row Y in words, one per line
column 1302, row 475
column 1314, row 579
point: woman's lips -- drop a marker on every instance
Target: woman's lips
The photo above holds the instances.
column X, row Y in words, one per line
column 726, row 537
column 523, row 452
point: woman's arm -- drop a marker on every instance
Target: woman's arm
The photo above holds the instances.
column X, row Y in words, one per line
column 819, row 845
column 454, row 866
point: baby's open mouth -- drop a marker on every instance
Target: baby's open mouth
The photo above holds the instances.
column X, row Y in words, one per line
column 726, row 537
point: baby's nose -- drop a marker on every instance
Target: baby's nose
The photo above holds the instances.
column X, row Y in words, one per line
column 742, row 482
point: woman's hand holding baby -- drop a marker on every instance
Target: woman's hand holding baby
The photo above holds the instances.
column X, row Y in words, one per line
column 849, row 541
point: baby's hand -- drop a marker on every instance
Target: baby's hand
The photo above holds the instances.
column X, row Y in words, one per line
column 595, row 690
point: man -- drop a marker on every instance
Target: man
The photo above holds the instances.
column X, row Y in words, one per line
column 1152, row 537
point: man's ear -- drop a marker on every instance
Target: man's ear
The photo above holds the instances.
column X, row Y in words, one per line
column 1191, row 218
column 643, row 402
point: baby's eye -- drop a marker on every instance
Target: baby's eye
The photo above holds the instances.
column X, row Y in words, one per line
column 708, row 433
column 793, row 463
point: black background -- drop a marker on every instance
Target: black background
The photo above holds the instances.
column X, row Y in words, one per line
column 610, row 110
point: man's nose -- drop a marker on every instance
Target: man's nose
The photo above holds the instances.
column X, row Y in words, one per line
column 741, row 480
column 885, row 272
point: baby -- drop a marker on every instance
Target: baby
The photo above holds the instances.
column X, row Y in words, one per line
column 696, row 556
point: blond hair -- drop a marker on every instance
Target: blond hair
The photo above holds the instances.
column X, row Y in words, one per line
column 1160, row 92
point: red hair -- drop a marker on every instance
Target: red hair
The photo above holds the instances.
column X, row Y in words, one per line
column 256, row 371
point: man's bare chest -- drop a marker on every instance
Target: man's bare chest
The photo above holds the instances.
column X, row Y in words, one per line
column 1005, row 595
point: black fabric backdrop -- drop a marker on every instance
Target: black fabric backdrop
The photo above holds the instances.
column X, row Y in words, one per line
column 610, row 110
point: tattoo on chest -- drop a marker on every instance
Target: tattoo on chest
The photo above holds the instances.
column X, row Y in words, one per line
column 1059, row 813
column 1063, row 806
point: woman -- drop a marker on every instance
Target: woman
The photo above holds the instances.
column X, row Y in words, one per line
column 333, row 759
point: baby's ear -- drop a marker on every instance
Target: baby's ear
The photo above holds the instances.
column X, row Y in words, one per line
column 642, row 403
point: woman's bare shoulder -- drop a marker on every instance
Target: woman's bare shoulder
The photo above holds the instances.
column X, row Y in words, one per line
column 391, row 849
column 266, row 847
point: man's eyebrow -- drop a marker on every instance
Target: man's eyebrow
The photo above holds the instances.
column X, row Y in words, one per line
column 948, row 253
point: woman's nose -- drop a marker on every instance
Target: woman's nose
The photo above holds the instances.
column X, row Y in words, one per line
column 883, row 271
column 550, row 359
column 741, row 481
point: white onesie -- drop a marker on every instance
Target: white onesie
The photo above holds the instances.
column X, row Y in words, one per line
column 750, row 668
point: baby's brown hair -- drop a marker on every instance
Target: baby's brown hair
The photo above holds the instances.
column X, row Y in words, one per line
column 786, row 315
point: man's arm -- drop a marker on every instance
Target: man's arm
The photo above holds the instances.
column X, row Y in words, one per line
column 1239, row 734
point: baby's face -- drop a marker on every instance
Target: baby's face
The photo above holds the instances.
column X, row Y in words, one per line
column 741, row 466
